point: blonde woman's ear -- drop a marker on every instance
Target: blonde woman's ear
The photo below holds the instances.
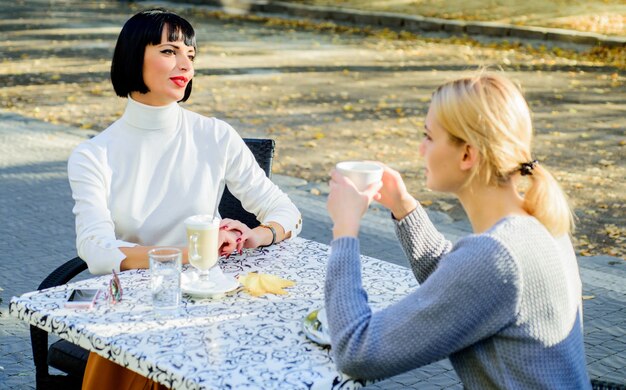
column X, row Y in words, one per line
column 470, row 157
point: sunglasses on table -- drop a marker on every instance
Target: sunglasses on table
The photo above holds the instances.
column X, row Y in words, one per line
column 115, row 288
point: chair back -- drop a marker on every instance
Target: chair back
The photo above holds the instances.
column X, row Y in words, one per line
column 230, row 206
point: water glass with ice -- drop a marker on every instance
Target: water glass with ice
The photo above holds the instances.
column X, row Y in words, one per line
column 165, row 271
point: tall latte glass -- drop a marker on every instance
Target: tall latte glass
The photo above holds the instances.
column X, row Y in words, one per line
column 202, row 238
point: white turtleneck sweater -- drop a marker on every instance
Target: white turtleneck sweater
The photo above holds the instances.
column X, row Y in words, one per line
column 137, row 181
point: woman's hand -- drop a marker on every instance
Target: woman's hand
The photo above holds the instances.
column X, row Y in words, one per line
column 251, row 238
column 394, row 195
column 228, row 241
column 346, row 205
column 247, row 238
column 239, row 229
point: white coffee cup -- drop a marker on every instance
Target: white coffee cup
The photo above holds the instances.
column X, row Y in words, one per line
column 361, row 173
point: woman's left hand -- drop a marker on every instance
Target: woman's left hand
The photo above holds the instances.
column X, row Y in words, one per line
column 346, row 205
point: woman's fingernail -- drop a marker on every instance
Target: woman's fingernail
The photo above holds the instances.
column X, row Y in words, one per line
column 239, row 239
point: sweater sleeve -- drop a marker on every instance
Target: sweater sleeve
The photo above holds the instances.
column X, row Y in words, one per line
column 96, row 243
column 258, row 195
column 472, row 295
column 422, row 243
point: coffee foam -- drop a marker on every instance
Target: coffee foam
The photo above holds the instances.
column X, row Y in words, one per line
column 202, row 222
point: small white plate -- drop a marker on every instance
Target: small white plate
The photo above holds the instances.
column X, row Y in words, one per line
column 315, row 327
column 321, row 316
column 223, row 284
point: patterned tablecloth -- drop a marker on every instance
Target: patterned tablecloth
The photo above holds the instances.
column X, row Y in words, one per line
column 236, row 341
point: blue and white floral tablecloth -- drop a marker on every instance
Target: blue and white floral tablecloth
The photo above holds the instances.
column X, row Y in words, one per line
column 233, row 342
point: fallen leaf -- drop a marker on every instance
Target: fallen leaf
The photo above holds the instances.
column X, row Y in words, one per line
column 444, row 206
column 258, row 284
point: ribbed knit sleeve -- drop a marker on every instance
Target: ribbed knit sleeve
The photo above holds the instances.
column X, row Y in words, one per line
column 473, row 294
column 422, row 243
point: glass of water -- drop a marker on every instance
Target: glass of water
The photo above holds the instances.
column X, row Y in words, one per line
column 165, row 270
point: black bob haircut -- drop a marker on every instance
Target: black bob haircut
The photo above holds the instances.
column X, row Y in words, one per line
column 143, row 29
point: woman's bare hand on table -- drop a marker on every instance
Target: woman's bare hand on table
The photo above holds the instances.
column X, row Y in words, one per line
column 228, row 241
column 243, row 231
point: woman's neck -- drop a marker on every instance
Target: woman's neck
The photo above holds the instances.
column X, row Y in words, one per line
column 485, row 205
column 145, row 117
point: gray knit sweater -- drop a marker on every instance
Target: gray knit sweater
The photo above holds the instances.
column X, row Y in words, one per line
column 505, row 307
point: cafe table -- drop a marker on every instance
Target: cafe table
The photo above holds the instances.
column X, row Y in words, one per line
column 236, row 341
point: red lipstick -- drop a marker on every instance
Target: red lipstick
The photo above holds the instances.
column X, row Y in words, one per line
column 180, row 81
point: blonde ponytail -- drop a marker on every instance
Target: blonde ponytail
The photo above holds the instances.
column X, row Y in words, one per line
column 546, row 201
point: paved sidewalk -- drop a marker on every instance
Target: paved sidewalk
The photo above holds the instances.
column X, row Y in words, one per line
column 37, row 235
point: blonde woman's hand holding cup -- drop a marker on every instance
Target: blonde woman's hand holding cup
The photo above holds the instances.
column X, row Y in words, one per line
column 394, row 195
column 346, row 205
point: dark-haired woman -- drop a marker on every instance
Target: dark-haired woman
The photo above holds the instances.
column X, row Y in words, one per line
column 136, row 182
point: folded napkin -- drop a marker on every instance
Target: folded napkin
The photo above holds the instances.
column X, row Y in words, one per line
column 260, row 284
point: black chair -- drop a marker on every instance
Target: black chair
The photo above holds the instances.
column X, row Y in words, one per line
column 230, row 207
column 71, row 358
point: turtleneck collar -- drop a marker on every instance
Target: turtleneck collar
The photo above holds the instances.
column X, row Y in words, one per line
column 146, row 117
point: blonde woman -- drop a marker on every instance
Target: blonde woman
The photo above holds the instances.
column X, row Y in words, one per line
column 504, row 304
